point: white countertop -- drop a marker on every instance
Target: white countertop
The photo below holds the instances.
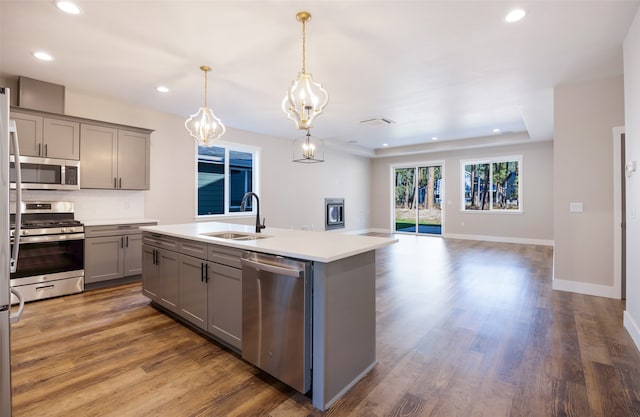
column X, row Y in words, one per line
column 112, row 222
column 310, row 245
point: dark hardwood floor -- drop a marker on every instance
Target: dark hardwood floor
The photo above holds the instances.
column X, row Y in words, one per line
column 464, row 328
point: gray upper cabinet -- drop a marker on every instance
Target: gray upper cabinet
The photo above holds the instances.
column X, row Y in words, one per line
column 133, row 160
column 99, row 164
column 47, row 137
column 61, row 139
column 114, row 158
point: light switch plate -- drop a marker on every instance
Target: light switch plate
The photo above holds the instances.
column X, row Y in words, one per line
column 576, row 207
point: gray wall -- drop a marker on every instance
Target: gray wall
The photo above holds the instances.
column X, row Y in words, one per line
column 632, row 128
column 533, row 225
column 584, row 117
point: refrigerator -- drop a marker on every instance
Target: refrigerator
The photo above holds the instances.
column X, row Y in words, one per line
column 8, row 255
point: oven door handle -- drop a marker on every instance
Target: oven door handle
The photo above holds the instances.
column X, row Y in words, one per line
column 50, row 238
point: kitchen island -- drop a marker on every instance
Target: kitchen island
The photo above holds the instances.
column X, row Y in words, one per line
column 343, row 302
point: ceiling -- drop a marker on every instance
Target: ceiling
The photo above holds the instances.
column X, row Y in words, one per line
column 454, row 70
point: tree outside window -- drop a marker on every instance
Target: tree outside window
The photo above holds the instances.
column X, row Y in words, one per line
column 492, row 185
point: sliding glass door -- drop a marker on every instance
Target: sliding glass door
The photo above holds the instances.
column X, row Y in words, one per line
column 417, row 194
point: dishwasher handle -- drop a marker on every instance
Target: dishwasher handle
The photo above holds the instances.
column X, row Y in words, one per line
column 282, row 270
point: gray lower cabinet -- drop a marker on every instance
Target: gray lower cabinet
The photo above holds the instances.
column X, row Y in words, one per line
column 201, row 283
column 150, row 273
column 225, row 304
column 112, row 252
column 160, row 276
column 169, row 264
column 193, row 290
column 161, row 270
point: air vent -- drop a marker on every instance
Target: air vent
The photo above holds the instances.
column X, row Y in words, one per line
column 378, row 122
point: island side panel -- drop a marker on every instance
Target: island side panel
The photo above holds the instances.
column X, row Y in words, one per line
column 344, row 325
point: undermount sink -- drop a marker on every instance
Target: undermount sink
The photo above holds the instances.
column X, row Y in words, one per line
column 235, row 235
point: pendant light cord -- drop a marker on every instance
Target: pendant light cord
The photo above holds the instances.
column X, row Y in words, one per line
column 304, row 49
column 205, row 87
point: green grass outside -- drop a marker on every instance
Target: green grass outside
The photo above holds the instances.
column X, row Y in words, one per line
column 404, row 223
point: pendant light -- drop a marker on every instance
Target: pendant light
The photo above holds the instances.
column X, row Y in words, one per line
column 204, row 126
column 305, row 99
column 308, row 150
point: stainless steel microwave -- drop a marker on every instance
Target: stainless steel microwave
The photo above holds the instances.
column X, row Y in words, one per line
column 46, row 173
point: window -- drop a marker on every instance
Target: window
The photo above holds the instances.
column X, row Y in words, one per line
column 225, row 174
column 492, row 185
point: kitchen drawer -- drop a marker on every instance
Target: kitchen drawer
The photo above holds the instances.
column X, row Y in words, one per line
column 160, row 241
column 225, row 256
column 114, row 229
column 193, row 248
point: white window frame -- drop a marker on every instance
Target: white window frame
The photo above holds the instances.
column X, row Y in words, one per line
column 491, row 161
column 255, row 179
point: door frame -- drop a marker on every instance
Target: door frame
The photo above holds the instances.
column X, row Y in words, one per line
column 618, row 131
column 392, row 202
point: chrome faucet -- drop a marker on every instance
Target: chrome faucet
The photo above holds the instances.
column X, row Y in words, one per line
column 243, row 205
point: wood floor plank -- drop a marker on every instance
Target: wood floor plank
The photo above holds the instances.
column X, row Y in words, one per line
column 464, row 328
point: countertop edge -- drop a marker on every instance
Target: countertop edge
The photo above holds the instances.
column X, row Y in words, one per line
column 113, row 222
column 255, row 246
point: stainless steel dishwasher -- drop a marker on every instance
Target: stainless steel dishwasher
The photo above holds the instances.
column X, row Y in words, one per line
column 276, row 317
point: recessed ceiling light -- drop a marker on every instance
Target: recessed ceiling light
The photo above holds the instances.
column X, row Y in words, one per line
column 515, row 15
column 162, row 89
column 496, row 130
column 434, row 138
column 68, row 7
column 385, row 145
column 41, row 55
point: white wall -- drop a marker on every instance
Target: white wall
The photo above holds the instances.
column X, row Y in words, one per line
column 291, row 194
column 584, row 117
column 534, row 225
column 632, row 129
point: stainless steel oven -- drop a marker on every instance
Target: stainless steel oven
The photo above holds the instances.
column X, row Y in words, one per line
column 51, row 261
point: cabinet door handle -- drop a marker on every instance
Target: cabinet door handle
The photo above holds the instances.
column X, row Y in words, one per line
column 115, row 182
column 206, row 272
column 120, row 185
column 39, row 150
column 201, row 272
column 46, row 151
column 122, row 242
column 126, row 238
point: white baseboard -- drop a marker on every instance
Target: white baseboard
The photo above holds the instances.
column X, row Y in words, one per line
column 585, row 288
column 524, row 241
column 632, row 328
column 357, row 232
column 379, row 231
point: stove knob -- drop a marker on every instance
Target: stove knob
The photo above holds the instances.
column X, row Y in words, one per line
column 24, row 232
column 63, row 230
